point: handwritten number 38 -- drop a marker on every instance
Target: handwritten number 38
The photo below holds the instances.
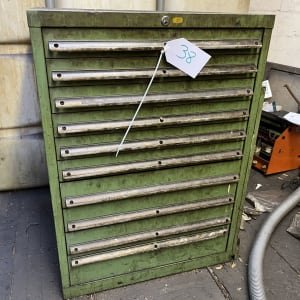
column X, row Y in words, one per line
column 187, row 55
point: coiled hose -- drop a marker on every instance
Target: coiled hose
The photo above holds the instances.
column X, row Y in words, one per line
column 255, row 267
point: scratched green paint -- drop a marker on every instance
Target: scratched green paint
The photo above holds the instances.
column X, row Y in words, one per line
column 47, row 25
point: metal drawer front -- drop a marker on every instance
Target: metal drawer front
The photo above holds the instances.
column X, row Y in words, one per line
column 66, row 129
column 129, row 239
column 149, row 165
column 92, row 102
column 153, row 190
column 151, row 144
column 115, row 94
column 170, row 251
column 90, row 42
column 161, row 211
column 147, row 248
column 135, row 74
column 207, row 153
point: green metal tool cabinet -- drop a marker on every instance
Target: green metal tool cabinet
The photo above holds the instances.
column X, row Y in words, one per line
column 172, row 200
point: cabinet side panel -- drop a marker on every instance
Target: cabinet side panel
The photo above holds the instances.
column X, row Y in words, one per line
column 42, row 84
column 249, row 146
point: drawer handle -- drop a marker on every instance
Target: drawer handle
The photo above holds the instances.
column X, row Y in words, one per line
column 146, row 214
column 91, row 75
column 152, row 144
column 148, row 191
column 180, row 241
column 108, row 46
column 133, row 238
column 212, row 95
column 66, row 129
column 149, row 165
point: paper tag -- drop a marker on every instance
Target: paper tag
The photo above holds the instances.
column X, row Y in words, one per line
column 293, row 118
column 267, row 87
column 186, row 56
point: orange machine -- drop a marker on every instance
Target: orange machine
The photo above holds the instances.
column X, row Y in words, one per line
column 278, row 144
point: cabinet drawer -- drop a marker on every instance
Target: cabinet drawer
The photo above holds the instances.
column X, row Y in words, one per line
column 90, row 234
column 92, row 42
column 139, row 184
column 148, row 256
column 105, row 166
column 89, row 71
column 74, row 124
column 112, row 97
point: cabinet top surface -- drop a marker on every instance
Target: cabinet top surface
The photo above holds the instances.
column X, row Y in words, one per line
column 143, row 19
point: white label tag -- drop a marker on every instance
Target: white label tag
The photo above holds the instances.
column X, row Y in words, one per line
column 268, row 92
column 186, row 56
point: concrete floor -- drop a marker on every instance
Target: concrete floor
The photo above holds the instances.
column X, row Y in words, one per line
column 29, row 266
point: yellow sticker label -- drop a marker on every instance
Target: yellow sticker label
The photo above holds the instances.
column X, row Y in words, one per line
column 177, row 20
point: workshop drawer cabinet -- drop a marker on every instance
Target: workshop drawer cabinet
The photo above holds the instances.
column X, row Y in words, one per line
column 171, row 200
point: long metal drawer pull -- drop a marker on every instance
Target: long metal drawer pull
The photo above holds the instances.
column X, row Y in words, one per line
column 147, row 191
column 145, row 214
column 90, row 46
column 65, row 129
column 59, row 76
column 151, row 144
column 69, row 103
column 128, row 239
column 82, row 173
column 184, row 240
